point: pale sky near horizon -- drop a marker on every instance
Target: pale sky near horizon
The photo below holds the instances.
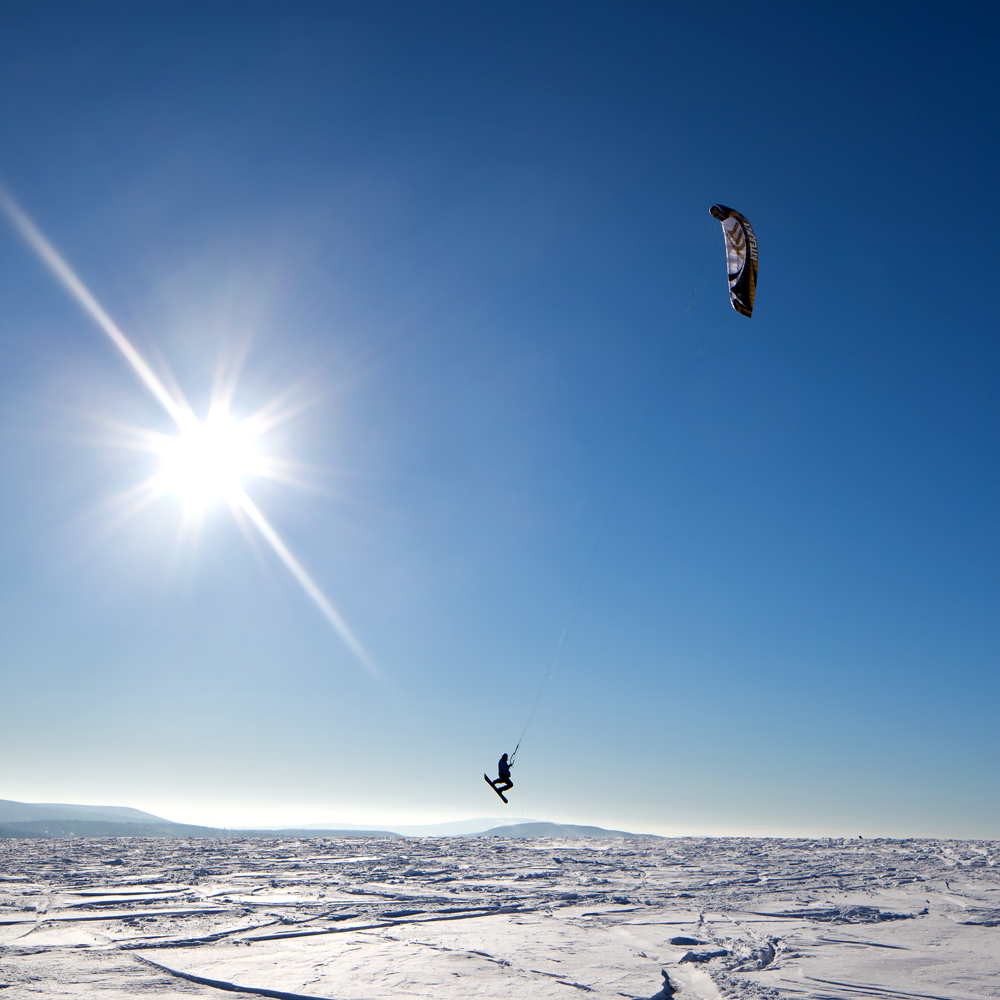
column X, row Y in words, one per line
column 471, row 243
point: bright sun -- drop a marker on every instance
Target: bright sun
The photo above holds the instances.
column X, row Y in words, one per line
column 208, row 461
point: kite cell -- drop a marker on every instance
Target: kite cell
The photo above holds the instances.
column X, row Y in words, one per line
column 741, row 258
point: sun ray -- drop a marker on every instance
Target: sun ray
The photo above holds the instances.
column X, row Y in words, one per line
column 67, row 277
column 123, row 507
column 303, row 476
column 228, row 369
column 284, row 407
column 305, row 580
column 208, row 458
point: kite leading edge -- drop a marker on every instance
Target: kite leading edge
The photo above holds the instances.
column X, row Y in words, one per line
column 741, row 258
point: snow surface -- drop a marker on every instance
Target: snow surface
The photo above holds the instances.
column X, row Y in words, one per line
column 500, row 918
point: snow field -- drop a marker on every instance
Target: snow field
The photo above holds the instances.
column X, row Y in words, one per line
column 695, row 919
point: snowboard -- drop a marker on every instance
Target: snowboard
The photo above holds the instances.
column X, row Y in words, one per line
column 486, row 778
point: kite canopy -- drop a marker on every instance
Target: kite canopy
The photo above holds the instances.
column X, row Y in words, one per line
column 741, row 257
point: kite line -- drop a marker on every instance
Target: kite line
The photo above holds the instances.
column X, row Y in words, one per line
column 741, row 265
column 569, row 618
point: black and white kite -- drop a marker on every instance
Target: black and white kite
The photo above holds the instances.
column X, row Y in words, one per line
column 741, row 258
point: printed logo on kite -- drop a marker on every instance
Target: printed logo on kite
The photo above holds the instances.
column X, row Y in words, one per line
column 741, row 257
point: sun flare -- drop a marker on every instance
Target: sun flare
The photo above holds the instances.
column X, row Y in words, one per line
column 209, row 461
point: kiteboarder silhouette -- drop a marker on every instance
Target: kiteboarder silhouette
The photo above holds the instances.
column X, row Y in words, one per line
column 502, row 783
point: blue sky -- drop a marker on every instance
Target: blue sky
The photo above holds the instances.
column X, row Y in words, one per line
column 468, row 235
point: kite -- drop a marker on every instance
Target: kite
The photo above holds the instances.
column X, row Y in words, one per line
column 741, row 258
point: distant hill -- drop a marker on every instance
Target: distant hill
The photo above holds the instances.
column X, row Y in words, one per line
column 27, row 820
column 551, row 830
column 458, row 828
column 42, row 828
column 31, row 812
column 100, row 828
